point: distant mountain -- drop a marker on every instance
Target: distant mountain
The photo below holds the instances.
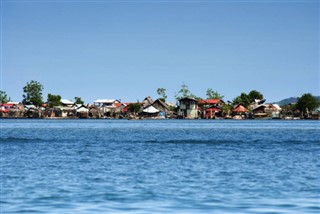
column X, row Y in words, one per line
column 287, row 101
column 290, row 100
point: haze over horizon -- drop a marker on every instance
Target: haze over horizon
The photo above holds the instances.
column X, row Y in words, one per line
column 127, row 49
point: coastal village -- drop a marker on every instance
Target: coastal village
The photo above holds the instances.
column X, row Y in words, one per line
column 186, row 108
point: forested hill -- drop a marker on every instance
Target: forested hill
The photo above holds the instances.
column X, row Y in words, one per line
column 290, row 100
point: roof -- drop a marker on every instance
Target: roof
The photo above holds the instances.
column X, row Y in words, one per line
column 148, row 99
column 30, row 106
column 77, row 105
column 6, row 105
column 258, row 107
column 213, row 109
column 66, row 102
column 151, row 110
column 239, row 108
column 187, row 98
column 274, row 106
column 165, row 105
column 277, row 106
column 119, row 104
column 82, row 109
column 210, row 101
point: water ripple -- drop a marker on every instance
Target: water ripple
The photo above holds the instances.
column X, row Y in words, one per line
column 100, row 166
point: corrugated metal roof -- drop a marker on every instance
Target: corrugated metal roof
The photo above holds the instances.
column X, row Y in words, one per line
column 66, row 102
column 210, row 101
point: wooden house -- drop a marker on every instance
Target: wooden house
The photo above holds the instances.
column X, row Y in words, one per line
column 215, row 102
column 106, row 105
column 211, row 108
column 259, row 111
column 95, row 112
column 163, row 107
column 5, row 107
column 188, row 108
column 66, row 103
column 266, row 110
column 147, row 101
column 81, row 111
column 212, row 112
column 239, row 109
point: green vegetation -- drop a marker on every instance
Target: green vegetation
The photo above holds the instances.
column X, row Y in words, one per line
column 213, row 94
column 134, row 107
column 162, row 93
column 255, row 95
column 247, row 99
column 3, row 97
column 242, row 98
column 304, row 104
column 226, row 108
column 79, row 100
column 32, row 93
column 288, row 109
column 307, row 102
column 184, row 92
column 54, row 100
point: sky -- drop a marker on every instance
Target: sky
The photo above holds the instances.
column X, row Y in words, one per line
column 128, row 49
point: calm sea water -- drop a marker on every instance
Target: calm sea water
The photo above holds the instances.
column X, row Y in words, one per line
column 163, row 166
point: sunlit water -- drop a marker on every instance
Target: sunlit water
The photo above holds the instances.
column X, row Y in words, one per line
column 163, row 166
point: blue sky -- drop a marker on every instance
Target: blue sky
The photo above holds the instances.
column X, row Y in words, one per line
column 127, row 49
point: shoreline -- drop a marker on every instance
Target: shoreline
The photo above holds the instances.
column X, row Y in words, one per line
column 136, row 119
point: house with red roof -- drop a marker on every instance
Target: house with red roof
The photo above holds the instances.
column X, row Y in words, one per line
column 107, row 106
column 211, row 102
column 210, row 108
column 212, row 112
column 5, row 107
column 239, row 109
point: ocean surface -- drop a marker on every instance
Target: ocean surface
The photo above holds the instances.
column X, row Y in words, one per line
column 159, row 166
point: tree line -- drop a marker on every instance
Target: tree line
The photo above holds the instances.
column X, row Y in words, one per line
column 32, row 94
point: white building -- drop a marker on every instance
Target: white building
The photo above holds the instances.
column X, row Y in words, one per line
column 66, row 102
column 107, row 104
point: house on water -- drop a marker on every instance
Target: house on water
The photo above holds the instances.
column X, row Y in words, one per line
column 211, row 108
column 107, row 106
column 239, row 111
column 188, row 108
